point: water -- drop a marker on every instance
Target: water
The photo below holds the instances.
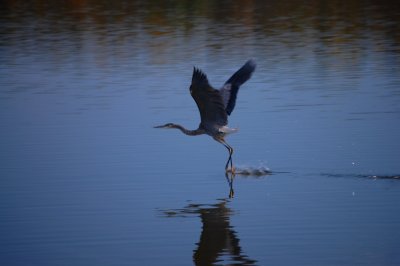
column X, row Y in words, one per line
column 87, row 180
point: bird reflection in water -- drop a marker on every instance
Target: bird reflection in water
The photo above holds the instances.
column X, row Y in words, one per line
column 230, row 178
column 219, row 243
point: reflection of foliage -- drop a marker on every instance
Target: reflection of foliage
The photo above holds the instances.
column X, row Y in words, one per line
column 344, row 18
column 127, row 30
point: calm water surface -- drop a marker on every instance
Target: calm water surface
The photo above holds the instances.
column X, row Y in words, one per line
column 85, row 179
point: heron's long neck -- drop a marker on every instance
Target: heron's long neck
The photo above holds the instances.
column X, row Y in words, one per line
column 189, row 132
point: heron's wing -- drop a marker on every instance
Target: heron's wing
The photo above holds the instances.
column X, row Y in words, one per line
column 230, row 89
column 208, row 100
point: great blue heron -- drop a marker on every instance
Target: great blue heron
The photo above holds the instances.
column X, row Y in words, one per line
column 215, row 106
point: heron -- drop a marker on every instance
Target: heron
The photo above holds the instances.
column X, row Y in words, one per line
column 215, row 106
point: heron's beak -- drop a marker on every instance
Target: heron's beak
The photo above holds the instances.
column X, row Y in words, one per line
column 162, row 126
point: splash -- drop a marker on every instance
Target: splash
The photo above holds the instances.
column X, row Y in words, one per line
column 251, row 170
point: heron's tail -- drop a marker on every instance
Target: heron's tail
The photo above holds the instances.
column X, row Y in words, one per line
column 228, row 130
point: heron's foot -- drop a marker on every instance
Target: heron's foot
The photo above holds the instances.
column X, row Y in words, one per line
column 231, row 170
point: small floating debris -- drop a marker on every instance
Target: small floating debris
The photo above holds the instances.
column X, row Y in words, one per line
column 394, row 177
column 385, row 176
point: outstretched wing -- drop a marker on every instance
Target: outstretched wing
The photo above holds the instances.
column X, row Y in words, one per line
column 231, row 87
column 209, row 101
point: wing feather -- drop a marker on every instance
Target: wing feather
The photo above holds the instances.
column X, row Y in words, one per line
column 209, row 101
column 231, row 87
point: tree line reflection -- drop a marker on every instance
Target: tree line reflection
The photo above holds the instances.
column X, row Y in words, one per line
column 163, row 31
column 348, row 19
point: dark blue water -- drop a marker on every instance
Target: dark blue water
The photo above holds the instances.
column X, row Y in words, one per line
column 85, row 179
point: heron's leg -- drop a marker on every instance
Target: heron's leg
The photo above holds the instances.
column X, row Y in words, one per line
column 229, row 159
column 230, row 150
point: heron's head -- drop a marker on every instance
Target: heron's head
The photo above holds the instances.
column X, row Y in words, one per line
column 168, row 125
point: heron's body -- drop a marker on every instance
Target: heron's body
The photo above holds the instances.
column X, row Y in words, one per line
column 215, row 105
